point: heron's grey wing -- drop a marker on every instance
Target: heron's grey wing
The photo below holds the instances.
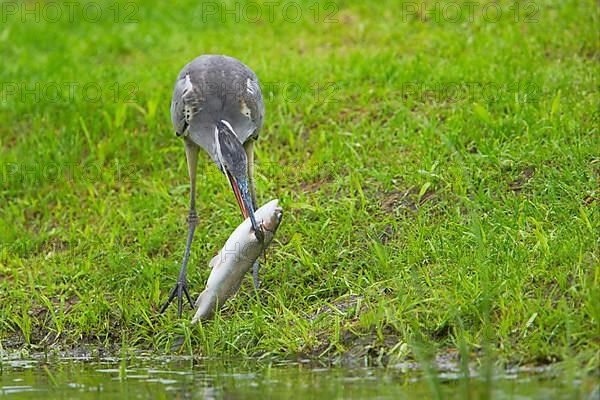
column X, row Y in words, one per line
column 186, row 103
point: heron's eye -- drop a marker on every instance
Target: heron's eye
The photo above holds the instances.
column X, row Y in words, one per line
column 244, row 109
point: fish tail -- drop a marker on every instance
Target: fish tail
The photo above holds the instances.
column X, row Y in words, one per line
column 205, row 306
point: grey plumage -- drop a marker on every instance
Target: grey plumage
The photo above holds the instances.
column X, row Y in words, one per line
column 212, row 88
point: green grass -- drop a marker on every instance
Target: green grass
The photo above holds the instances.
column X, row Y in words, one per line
column 439, row 181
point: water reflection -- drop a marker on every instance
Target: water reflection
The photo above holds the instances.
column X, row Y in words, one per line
column 188, row 378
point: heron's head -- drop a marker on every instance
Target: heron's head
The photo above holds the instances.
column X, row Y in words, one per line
column 233, row 162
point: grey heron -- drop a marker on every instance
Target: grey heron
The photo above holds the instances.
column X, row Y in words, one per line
column 217, row 106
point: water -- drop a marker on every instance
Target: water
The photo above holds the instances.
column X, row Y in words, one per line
column 192, row 378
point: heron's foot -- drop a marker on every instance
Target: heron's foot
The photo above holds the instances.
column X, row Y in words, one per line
column 180, row 289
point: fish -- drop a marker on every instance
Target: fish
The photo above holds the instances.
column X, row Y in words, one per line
column 235, row 259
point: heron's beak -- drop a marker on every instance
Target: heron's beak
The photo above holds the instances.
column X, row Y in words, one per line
column 242, row 195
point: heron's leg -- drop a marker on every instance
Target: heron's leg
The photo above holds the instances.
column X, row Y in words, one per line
column 249, row 147
column 255, row 269
column 181, row 288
